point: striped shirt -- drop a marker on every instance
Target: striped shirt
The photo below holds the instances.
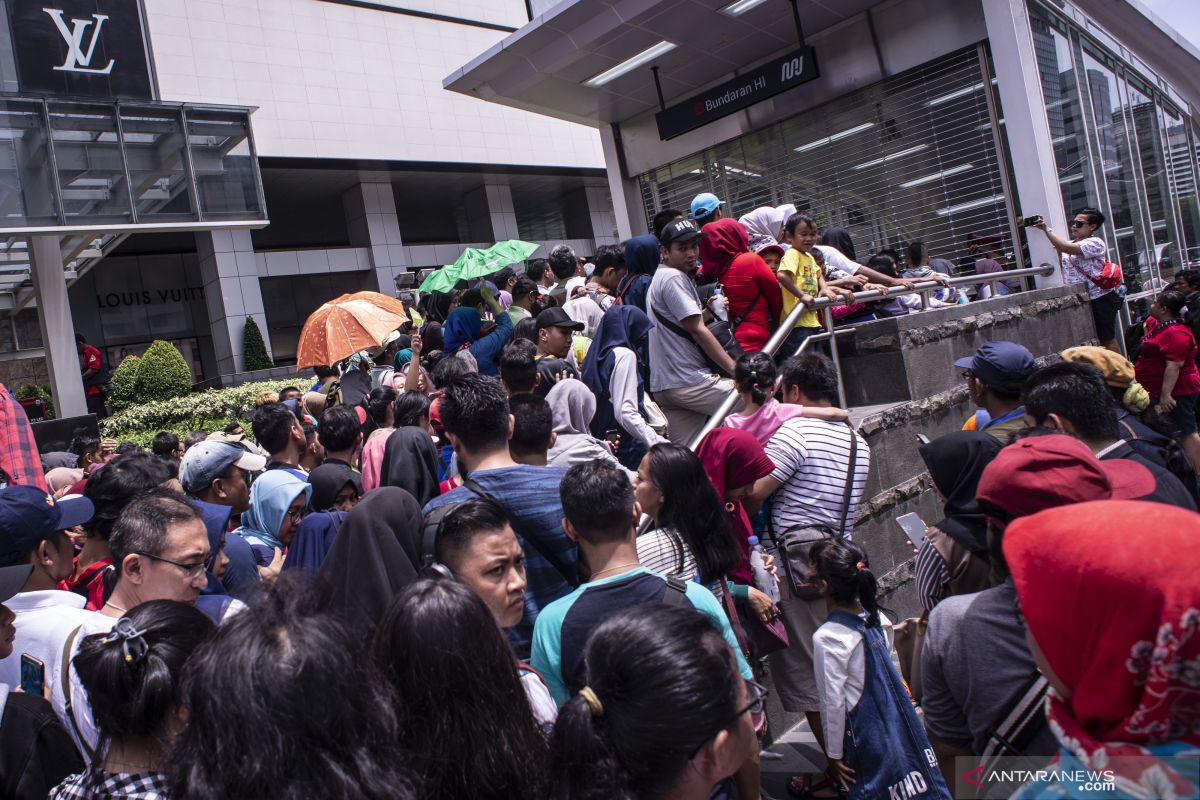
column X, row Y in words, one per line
column 812, row 459
column 660, row 550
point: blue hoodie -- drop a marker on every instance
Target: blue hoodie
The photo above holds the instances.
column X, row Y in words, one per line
column 270, row 496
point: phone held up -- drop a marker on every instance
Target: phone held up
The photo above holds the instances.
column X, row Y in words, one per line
column 1028, row 222
column 914, row 528
column 33, row 675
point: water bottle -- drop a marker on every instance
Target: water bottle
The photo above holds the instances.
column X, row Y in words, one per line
column 717, row 303
column 764, row 581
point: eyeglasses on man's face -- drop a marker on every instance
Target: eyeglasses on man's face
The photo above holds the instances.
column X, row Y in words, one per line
column 190, row 570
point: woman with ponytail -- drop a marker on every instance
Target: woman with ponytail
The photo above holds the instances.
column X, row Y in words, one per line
column 132, row 677
column 381, row 410
column 665, row 712
column 873, row 739
column 757, row 379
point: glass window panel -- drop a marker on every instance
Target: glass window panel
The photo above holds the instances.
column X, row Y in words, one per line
column 26, row 183
column 226, row 172
column 1142, row 117
column 155, row 152
column 1068, row 129
column 1182, row 184
column 1115, row 156
column 91, row 170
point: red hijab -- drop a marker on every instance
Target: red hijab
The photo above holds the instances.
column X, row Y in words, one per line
column 724, row 240
column 732, row 459
column 1111, row 594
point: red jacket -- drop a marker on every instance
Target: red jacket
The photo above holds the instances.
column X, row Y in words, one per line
column 748, row 276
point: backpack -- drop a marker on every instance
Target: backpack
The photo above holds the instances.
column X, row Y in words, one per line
column 1163, row 447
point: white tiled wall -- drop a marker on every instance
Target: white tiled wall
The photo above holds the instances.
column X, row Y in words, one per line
column 335, row 81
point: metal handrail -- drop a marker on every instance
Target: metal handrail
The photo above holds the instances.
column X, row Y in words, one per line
column 825, row 305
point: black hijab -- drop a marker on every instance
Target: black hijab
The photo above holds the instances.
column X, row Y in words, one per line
column 955, row 462
column 327, row 480
column 410, row 462
column 376, row 553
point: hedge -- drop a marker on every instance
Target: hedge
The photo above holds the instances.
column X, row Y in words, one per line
column 209, row 410
column 161, row 373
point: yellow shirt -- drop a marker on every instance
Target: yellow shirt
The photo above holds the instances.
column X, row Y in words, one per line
column 805, row 273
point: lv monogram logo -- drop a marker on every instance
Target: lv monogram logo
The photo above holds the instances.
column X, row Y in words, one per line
column 77, row 59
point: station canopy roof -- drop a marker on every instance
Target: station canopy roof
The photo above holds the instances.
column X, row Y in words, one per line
column 543, row 66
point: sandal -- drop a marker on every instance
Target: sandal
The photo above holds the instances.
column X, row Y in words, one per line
column 809, row 786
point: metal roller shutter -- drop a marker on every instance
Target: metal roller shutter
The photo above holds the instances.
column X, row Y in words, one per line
column 913, row 156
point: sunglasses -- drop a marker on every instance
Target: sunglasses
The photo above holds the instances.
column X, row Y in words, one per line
column 1077, row 224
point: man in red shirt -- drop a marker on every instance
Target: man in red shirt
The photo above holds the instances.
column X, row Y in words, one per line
column 91, row 365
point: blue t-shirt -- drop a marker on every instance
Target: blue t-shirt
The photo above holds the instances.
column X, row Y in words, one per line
column 531, row 496
column 564, row 626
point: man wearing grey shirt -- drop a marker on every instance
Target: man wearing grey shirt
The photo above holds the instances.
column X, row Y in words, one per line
column 683, row 352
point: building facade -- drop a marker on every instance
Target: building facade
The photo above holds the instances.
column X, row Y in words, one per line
column 944, row 121
column 369, row 171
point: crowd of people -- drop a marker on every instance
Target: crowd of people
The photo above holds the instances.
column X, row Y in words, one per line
column 489, row 560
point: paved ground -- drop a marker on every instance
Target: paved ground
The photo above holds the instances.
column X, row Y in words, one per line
column 794, row 752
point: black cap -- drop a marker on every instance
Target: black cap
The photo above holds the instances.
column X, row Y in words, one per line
column 1001, row 365
column 555, row 317
column 679, row 230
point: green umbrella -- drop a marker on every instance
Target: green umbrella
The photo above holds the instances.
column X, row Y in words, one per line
column 441, row 279
column 476, row 263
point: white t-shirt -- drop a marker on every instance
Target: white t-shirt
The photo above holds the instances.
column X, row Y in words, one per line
column 1076, row 269
column 812, row 459
column 675, row 362
column 837, row 266
column 840, row 667
column 44, row 621
column 80, row 707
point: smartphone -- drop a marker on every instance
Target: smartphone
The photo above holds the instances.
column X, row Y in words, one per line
column 913, row 527
column 922, row 439
column 1027, row 222
column 33, row 675
column 613, row 435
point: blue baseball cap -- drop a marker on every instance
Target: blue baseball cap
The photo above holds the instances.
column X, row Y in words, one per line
column 1002, row 366
column 206, row 461
column 705, row 204
column 28, row 516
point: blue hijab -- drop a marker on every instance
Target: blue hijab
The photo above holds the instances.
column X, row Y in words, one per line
column 216, row 520
column 270, row 496
column 462, row 327
column 313, row 540
column 621, row 326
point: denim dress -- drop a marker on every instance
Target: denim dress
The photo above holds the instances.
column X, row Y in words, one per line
column 885, row 743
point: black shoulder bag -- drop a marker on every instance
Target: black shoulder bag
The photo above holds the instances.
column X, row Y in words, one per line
column 723, row 331
column 795, row 544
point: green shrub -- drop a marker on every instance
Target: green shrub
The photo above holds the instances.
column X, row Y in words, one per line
column 123, row 393
column 29, row 390
column 162, row 374
column 254, row 350
column 209, row 410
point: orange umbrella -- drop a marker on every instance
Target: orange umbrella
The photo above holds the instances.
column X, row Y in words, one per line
column 346, row 325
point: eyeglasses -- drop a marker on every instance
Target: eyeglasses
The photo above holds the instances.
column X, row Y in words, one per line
column 967, row 374
column 295, row 514
column 758, row 699
column 1077, row 224
column 191, row 570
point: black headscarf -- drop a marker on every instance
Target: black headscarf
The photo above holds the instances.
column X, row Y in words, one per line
column 376, row 553
column 327, row 480
column 955, row 462
column 410, row 463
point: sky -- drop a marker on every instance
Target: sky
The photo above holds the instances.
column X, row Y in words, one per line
column 1182, row 15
